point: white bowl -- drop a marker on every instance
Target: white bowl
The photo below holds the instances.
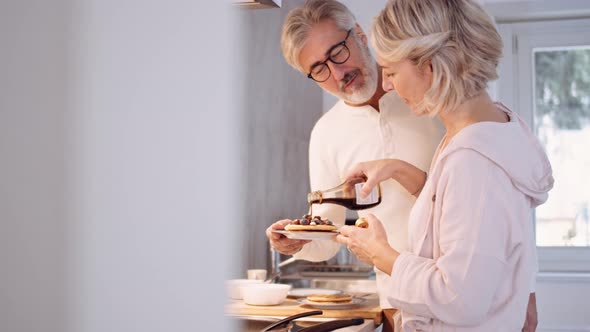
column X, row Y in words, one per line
column 265, row 294
column 234, row 287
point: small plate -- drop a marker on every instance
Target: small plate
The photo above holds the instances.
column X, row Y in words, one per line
column 305, row 292
column 333, row 306
column 304, row 235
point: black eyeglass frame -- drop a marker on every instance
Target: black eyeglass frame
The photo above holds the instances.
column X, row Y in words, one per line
column 329, row 58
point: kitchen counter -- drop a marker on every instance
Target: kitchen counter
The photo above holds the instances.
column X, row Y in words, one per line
column 368, row 310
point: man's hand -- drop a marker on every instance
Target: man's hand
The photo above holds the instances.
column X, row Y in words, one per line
column 530, row 323
column 280, row 242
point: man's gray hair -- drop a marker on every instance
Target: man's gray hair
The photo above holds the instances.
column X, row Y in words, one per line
column 300, row 20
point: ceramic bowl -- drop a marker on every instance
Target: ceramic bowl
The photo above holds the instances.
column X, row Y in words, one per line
column 234, row 287
column 265, row 294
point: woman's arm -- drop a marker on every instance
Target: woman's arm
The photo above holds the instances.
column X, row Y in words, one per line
column 409, row 176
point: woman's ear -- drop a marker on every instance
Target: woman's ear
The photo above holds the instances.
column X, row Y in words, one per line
column 427, row 68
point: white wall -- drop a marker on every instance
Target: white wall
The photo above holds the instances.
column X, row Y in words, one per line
column 562, row 300
column 119, row 167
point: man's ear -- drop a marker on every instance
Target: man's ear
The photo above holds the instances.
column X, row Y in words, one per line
column 361, row 34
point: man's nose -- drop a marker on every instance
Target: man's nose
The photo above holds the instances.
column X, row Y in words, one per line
column 337, row 70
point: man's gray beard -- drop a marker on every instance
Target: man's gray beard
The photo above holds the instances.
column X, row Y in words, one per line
column 369, row 87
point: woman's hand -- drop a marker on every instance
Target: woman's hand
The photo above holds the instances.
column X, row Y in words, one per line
column 409, row 176
column 375, row 171
column 369, row 244
column 280, row 242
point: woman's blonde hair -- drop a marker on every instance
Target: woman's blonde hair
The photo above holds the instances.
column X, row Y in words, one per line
column 301, row 19
column 458, row 38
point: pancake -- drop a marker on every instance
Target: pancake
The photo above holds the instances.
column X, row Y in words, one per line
column 309, row 224
column 330, row 298
column 310, row 228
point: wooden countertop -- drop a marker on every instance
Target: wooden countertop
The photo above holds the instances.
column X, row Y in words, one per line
column 369, row 310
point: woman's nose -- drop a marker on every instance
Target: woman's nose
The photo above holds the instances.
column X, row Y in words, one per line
column 387, row 85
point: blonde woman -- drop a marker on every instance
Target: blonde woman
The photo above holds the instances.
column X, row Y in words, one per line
column 472, row 258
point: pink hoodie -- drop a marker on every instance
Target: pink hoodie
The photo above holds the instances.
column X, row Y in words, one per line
column 473, row 252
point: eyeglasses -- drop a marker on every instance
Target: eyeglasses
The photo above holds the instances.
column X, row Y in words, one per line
column 338, row 54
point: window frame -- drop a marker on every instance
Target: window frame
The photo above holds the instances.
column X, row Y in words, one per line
column 515, row 89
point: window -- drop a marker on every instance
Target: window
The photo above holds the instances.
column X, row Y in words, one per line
column 561, row 114
column 545, row 77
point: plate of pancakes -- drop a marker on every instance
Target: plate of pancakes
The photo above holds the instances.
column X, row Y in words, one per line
column 309, row 228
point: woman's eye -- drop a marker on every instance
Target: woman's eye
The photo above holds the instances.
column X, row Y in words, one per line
column 389, row 75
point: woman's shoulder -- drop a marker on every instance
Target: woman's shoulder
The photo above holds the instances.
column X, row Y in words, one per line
column 466, row 163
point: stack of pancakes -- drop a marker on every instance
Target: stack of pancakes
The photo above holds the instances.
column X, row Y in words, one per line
column 330, row 298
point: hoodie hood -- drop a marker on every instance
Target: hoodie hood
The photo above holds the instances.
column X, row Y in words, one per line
column 512, row 147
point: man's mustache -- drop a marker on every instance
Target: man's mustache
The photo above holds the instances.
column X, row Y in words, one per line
column 347, row 78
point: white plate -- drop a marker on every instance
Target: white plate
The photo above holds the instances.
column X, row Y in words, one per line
column 333, row 306
column 305, row 292
column 304, row 235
